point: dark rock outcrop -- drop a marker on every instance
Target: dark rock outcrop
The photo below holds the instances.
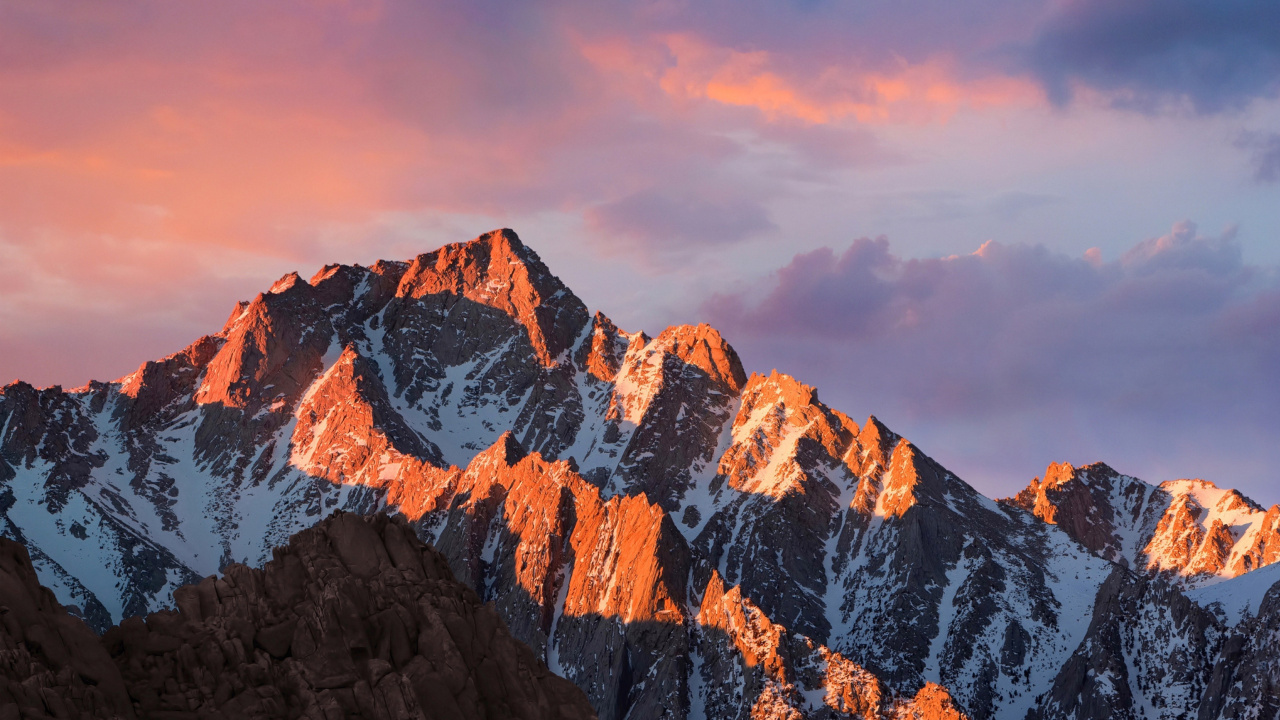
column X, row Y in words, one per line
column 354, row 618
column 51, row 663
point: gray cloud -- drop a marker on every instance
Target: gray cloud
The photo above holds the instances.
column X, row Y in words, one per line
column 664, row 222
column 1264, row 150
column 1214, row 54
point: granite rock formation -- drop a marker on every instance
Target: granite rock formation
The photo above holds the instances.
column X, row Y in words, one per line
column 355, row 617
column 51, row 663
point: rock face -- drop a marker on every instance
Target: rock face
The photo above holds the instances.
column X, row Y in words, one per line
column 1190, row 531
column 1245, row 681
column 753, row 668
column 51, row 664
column 354, row 618
column 1147, row 653
column 656, row 524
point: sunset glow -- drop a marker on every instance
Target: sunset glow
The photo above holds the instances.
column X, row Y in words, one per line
column 812, row 178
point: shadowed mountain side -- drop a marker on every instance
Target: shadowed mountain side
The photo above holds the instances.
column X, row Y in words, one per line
column 354, row 618
column 599, row 583
column 752, row 668
column 648, row 658
column 857, row 539
column 1147, row 646
column 780, row 483
column 671, row 398
column 943, row 585
column 51, row 664
column 1245, row 682
column 45, row 428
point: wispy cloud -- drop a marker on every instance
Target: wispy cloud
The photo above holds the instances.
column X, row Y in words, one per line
column 1264, row 154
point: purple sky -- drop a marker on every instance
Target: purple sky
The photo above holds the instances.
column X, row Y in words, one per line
column 1018, row 232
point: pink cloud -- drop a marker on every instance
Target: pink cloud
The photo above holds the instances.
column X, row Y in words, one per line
column 1162, row 360
column 159, row 160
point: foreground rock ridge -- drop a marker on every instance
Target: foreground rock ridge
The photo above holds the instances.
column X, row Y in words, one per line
column 674, row 536
column 355, row 617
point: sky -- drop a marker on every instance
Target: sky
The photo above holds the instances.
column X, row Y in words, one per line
column 1018, row 232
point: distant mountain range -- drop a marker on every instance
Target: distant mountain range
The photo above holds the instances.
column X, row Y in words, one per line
column 675, row 537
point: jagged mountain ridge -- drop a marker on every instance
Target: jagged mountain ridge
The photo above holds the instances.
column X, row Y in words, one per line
column 1190, row 531
column 595, row 484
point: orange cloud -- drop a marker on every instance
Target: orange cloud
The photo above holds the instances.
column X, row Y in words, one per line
column 154, row 150
column 687, row 69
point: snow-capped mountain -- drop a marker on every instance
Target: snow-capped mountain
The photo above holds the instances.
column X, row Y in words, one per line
column 676, row 537
column 1190, row 531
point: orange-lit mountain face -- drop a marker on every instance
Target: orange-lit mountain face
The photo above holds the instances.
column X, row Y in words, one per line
column 677, row 538
column 1189, row 531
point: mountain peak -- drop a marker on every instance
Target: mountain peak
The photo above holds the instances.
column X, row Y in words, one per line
column 874, row 446
column 703, row 347
column 1058, row 474
column 285, row 283
column 1209, row 496
column 505, row 452
column 786, row 388
column 1189, row 529
column 780, row 392
column 499, row 271
column 1100, row 468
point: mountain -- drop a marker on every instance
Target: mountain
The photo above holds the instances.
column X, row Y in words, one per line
column 353, row 618
column 1190, row 531
column 676, row 537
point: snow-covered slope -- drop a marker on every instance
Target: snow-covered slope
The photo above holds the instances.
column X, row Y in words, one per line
column 1239, row 597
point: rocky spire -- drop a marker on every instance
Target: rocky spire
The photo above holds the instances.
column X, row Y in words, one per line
column 498, row 271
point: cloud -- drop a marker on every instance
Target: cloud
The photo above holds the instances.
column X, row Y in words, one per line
column 671, row 222
column 286, row 135
column 1264, row 149
column 59, row 326
column 1183, row 250
column 1150, row 54
column 160, row 160
column 155, row 155
column 1168, row 349
column 251, row 126
column 823, row 90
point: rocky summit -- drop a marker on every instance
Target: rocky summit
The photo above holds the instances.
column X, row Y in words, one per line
column 674, row 536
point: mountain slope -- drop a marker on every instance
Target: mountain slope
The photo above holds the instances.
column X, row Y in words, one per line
column 1189, row 531
column 598, row 487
